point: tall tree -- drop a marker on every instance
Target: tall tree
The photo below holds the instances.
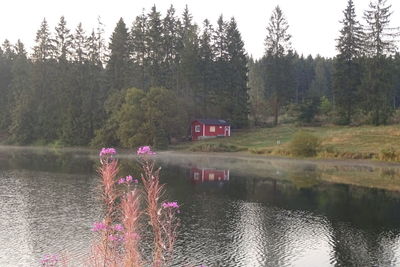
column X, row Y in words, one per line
column 347, row 71
column 279, row 59
column 22, row 117
column 118, row 64
column 238, row 108
column 80, row 45
column 6, row 62
column 155, row 43
column 377, row 83
column 139, row 51
column 171, row 43
column 63, row 41
column 189, row 58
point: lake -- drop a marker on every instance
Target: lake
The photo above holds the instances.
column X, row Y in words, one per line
column 235, row 211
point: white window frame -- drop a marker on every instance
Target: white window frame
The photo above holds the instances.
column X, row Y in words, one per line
column 212, row 129
column 197, row 128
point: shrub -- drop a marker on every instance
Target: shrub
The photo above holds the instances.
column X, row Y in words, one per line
column 304, row 144
column 388, row 154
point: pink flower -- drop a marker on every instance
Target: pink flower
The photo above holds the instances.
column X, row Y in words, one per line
column 121, row 181
column 112, row 238
column 132, row 236
column 118, row 227
column 135, row 181
column 98, row 226
column 107, row 152
column 49, row 259
column 128, row 178
column 170, row 205
column 145, row 150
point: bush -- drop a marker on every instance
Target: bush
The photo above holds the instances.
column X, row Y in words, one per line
column 304, row 144
column 388, row 154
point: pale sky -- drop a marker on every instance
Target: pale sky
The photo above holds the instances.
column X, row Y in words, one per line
column 314, row 24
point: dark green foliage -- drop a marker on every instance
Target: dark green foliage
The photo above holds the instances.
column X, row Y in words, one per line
column 144, row 118
column 377, row 86
column 278, row 62
column 308, row 110
column 347, row 71
column 304, row 144
column 118, row 64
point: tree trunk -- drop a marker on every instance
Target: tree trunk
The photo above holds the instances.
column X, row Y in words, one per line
column 276, row 112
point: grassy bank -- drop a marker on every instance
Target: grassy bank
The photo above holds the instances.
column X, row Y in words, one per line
column 342, row 142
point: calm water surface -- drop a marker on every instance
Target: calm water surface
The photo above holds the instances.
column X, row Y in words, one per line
column 235, row 211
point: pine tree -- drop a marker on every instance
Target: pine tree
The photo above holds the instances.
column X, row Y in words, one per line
column 155, row 43
column 347, row 71
column 80, row 45
column 44, row 49
column 238, row 70
column 206, row 68
column 171, row 44
column 189, row 78
column 63, row 41
column 279, row 61
column 22, row 117
column 377, row 83
column 118, row 72
column 6, row 62
column 139, row 51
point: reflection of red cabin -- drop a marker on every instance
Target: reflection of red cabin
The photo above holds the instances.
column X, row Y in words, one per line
column 208, row 128
column 208, row 175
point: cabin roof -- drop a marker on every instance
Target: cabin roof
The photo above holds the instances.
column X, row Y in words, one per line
column 212, row 122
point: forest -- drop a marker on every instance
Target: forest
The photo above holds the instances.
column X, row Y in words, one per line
column 157, row 73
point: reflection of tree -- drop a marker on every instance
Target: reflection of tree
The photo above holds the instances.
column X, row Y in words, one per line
column 47, row 160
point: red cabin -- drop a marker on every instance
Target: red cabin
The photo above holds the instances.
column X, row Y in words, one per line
column 198, row 175
column 209, row 128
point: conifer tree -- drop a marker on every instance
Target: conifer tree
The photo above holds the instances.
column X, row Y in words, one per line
column 155, row 42
column 63, row 41
column 171, row 44
column 347, row 71
column 376, row 86
column 80, row 43
column 279, row 61
column 139, row 51
column 238, row 81
column 189, row 58
column 118, row 64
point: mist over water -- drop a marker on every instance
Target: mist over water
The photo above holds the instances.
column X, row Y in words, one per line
column 236, row 211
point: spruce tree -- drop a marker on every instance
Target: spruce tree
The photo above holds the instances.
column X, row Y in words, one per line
column 63, row 41
column 118, row 64
column 171, row 44
column 139, row 51
column 155, row 43
column 377, row 85
column 238, row 81
column 279, row 61
column 347, row 69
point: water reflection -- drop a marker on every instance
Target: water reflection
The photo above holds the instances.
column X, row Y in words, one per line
column 234, row 212
column 204, row 175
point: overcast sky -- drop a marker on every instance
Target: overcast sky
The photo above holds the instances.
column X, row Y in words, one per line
column 314, row 24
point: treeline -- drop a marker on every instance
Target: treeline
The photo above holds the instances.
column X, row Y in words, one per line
column 143, row 87
column 360, row 85
column 153, row 77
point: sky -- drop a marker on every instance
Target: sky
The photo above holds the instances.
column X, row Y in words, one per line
column 313, row 24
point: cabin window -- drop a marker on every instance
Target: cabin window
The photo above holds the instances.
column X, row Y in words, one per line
column 197, row 128
column 211, row 177
column 212, row 129
column 196, row 176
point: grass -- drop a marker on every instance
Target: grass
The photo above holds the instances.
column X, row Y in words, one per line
column 343, row 142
